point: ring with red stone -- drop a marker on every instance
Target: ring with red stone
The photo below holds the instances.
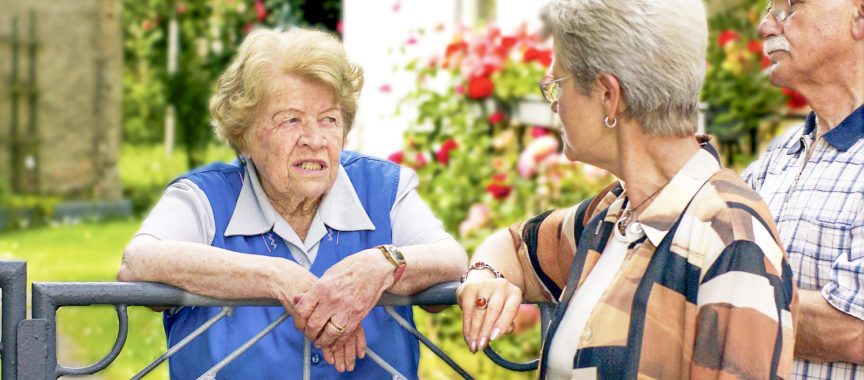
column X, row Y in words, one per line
column 481, row 302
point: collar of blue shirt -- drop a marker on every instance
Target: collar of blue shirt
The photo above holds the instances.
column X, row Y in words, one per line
column 841, row 137
column 340, row 209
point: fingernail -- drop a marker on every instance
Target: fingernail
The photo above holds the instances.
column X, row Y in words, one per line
column 483, row 342
column 473, row 346
column 495, row 332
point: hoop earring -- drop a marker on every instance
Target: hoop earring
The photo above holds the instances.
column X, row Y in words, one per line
column 606, row 122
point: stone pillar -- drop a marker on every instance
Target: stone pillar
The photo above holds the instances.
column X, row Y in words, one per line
column 78, row 83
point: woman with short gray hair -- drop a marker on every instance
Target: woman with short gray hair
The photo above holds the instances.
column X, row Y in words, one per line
column 674, row 271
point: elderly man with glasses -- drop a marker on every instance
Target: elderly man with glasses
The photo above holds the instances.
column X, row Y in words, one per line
column 812, row 178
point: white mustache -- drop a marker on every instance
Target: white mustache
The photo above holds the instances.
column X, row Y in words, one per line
column 775, row 43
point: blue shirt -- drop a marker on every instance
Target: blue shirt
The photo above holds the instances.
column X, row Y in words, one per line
column 279, row 353
column 814, row 187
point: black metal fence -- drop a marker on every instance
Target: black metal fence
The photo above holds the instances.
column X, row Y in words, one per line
column 29, row 345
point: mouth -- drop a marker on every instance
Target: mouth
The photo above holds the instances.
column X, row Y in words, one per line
column 313, row 165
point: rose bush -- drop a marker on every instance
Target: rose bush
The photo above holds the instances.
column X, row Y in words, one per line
column 486, row 168
column 737, row 90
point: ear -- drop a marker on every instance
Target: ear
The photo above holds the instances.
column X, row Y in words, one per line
column 612, row 98
column 858, row 22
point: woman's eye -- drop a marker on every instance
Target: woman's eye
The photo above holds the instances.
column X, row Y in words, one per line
column 329, row 120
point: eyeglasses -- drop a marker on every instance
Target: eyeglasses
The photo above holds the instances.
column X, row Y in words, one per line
column 780, row 9
column 552, row 89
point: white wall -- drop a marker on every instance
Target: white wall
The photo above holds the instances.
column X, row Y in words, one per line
column 375, row 32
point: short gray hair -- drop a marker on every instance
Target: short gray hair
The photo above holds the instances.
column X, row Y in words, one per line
column 656, row 49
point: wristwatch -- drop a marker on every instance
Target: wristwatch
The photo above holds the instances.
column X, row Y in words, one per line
column 394, row 256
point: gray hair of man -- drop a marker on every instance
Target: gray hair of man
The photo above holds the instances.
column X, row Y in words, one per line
column 655, row 48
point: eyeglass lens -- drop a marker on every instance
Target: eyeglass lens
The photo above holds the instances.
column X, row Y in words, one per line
column 780, row 9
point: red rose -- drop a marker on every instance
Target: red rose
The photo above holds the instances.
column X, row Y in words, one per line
column 538, row 131
column 765, row 62
column 396, row 157
column 498, row 191
column 260, row 10
column 443, row 154
column 498, row 188
column 456, row 47
column 727, row 36
column 794, row 99
column 508, row 42
column 147, row 25
column 420, row 160
column 530, row 54
column 247, row 28
column 496, row 117
column 755, row 47
column 480, row 87
column 545, row 58
column 181, row 9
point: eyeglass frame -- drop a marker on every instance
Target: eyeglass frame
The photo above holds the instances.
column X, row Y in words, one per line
column 551, row 94
column 779, row 15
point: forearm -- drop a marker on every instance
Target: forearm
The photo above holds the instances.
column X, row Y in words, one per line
column 826, row 334
column 209, row 271
column 429, row 264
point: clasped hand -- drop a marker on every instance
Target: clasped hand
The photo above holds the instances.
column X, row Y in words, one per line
column 330, row 312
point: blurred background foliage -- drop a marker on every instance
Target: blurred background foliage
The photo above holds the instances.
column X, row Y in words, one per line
column 482, row 142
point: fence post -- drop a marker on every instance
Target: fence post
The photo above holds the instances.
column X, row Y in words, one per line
column 13, row 281
column 45, row 309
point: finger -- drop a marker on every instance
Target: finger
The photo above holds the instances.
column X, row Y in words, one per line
column 466, row 293
column 339, row 357
column 493, row 311
column 302, row 311
column 505, row 321
column 316, row 324
column 328, row 336
column 477, row 320
column 360, row 343
column 328, row 355
column 350, row 355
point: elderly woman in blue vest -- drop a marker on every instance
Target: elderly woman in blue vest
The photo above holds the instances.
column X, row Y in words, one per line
column 297, row 219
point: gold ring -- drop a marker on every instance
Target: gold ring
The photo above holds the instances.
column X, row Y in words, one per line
column 481, row 302
column 339, row 329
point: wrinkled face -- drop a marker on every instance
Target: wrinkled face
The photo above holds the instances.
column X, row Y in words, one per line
column 806, row 45
column 296, row 140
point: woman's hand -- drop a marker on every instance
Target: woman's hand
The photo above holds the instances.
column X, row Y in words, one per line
column 334, row 306
column 488, row 309
column 344, row 352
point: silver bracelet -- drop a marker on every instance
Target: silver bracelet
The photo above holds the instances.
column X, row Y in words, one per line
column 480, row 265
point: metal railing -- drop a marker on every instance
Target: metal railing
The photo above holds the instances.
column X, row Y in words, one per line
column 29, row 345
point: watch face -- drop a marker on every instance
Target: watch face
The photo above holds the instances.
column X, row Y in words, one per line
column 395, row 252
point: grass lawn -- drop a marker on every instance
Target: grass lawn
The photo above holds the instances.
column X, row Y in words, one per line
column 92, row 252
column 89, row 252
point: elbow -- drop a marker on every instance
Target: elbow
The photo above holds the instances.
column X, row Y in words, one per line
column 126, row 272
column 460, row 258
column 855, row 351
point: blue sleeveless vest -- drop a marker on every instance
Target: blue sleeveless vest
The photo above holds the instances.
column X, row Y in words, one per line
column 279, row 355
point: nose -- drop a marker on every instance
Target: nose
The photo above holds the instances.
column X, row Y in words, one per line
column 769, row 27
column 312, row 137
